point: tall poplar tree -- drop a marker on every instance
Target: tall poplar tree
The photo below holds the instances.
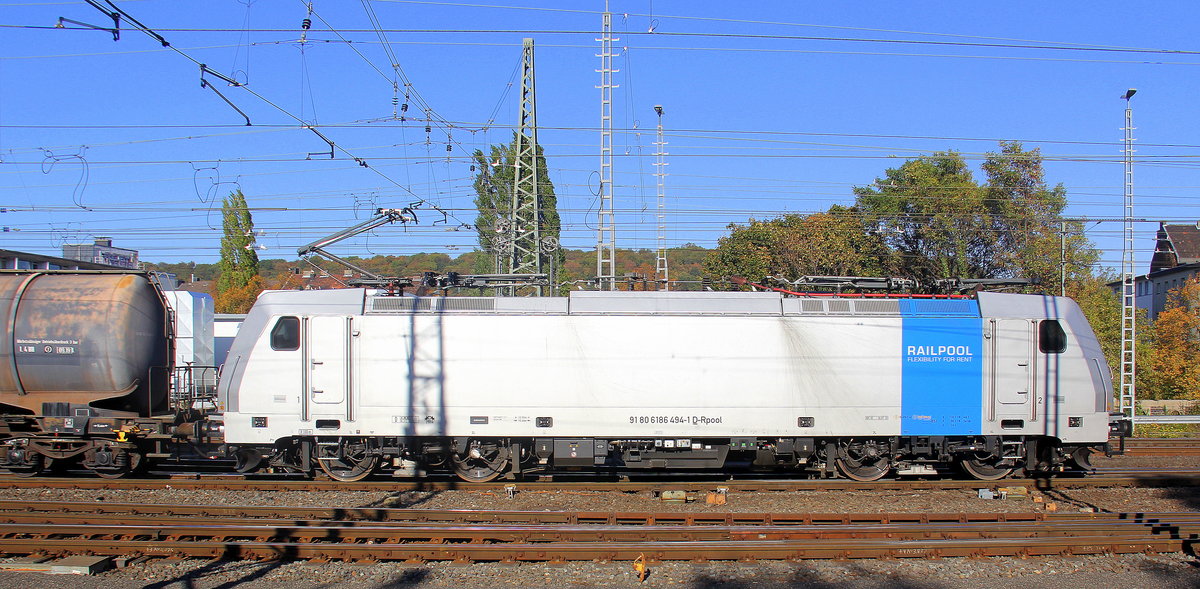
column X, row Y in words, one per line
column 238, row 268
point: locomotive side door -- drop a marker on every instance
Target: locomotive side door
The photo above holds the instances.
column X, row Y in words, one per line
column 329, row 355
column 1013, row 369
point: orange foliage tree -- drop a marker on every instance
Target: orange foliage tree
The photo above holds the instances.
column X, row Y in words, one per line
column 239, row 299
column 1176, row 360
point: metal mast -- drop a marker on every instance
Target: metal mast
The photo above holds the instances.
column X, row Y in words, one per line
column 525, row 216
column 1128, row 300
column 606, row 230
column 660, row 265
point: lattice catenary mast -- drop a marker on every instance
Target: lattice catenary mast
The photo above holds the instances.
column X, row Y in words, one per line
column 525, row 217
column 1128, row 301
column 606, row 230
column 661, row 275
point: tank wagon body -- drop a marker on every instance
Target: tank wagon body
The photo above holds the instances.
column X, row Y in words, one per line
column 87, row 340
column 352, row 382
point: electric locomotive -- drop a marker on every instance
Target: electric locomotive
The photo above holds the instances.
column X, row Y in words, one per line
column 357, row 381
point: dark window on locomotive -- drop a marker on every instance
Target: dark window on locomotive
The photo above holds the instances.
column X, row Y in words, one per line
column 1051, row 337
column 286, row 334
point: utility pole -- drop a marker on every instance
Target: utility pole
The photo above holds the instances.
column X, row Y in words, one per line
column 661, row 275
column 525, row 217
column 1128, row 298
column 606, row 230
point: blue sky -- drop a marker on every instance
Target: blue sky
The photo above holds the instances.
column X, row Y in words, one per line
column 771, row 107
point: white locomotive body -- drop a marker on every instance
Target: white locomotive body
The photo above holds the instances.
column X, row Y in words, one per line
column 352, row 381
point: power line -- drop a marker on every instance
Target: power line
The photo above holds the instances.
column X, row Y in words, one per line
column 462, row 31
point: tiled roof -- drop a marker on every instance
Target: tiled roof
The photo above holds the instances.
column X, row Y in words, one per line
column 1186, row 241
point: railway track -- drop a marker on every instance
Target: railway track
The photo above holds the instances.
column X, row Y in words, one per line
column 1162, row 446
column 1156, row 477
column 56, row 529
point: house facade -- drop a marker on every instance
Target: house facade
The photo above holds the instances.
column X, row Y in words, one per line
column 1176, row 260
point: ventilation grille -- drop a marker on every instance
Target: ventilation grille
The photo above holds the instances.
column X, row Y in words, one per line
column 877, row 307
column 942, row 307
column 468, row 304
column 841, row 307
column 430, row 304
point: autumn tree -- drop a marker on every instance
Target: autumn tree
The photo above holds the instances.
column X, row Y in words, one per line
column 834, row 243
column 239, row 262
column 1176, row 359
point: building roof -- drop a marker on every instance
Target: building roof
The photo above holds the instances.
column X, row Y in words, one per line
column 1186, row 240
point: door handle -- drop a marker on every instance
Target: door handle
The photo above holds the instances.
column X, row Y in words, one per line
column 316, row 362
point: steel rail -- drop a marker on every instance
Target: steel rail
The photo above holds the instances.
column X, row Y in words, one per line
column 1101, row 478
column 345, row 532
column 1162, row 447
column 234, row 529
column 53, row 510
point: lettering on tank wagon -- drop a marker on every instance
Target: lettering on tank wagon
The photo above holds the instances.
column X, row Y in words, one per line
column 57, row 347
column 937, row 353
column 678, row 419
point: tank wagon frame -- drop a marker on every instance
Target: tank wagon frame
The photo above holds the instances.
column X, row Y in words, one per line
column 353, row 382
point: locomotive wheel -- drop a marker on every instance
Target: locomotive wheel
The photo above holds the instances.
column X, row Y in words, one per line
column 482, row 462
column 348, row 460
column 863, row 461
column 985, row 469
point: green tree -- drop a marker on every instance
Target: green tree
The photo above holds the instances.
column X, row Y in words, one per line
column 745, row 252
column 239, row 262
column 493, row 199
column 1026, row 216
column 835, row 243
column 933, row 215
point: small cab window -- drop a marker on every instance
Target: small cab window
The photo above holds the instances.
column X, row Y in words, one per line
column 286, row 334
column 1051, row 337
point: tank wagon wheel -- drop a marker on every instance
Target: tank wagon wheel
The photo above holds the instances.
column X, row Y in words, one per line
column 112, row 463
column 482, row 462
column 347, row 459
column 22, row 461
column 985, row 468
column 864, row 460
column 34, row 465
